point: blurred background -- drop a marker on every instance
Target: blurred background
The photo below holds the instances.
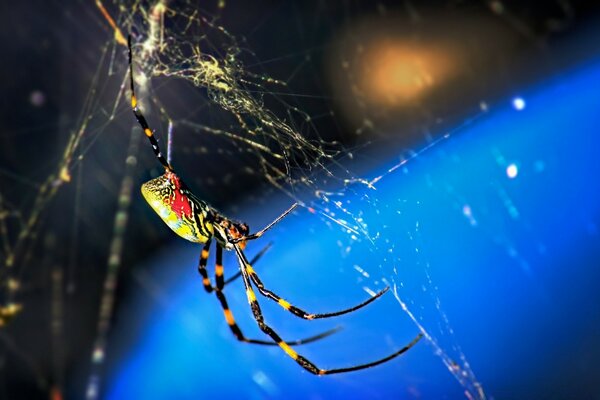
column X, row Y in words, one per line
column 446, row 149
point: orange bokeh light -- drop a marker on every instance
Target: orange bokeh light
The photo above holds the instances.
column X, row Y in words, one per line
column 395, row 73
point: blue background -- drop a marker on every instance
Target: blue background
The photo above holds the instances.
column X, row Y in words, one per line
column 517, row 281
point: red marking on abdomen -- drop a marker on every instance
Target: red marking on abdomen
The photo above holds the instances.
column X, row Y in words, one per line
column 180, row 204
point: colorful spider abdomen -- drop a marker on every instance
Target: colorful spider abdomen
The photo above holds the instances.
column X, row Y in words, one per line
column 171, row 200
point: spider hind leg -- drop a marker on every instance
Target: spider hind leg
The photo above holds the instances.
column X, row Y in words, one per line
column 220, row 283
column 301, row 360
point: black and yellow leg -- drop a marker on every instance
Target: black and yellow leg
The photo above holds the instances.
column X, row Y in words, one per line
column 220, row 282
column 286, row 347
column 252, row 262
column 237, row 332
column 202, row 267
column 266, row 228
column 140, row 117
column 295, row 310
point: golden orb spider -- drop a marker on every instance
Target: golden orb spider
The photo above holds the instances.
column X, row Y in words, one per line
column 196, row 221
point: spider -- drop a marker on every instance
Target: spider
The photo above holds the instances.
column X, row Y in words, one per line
column 195, row 220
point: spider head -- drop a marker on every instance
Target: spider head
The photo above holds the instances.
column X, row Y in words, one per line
column 241, row 230
column 172, row 201
column 230, row 230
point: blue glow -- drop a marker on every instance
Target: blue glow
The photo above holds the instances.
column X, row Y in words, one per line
column 515, row 260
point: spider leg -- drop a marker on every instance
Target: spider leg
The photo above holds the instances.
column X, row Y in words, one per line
column 252, row 262
column 266, row 228
column 302, row 361
column 204, row 260
column 237, row 332
column 295, row 310
column 235, row 329
column 220, row 282
column 140, row 117
column 202, row 267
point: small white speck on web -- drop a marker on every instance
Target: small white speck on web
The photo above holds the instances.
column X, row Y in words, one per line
column 361, row 271
column 369, row 291
column 262, row 380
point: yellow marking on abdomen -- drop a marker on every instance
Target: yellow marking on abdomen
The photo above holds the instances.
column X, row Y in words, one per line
column 284, row 304
column 288, row 350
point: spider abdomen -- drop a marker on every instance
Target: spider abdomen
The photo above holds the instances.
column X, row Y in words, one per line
column 169, row 198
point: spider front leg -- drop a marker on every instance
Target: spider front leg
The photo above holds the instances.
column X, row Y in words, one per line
column 302, row 361
column 295, row 310
column 266, row 228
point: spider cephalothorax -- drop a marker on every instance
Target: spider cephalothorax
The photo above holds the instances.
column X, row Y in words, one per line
column 228, row 231
column 196, row 221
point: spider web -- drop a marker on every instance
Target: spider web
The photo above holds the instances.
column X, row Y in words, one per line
column 288, row 151
column 260, row 125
